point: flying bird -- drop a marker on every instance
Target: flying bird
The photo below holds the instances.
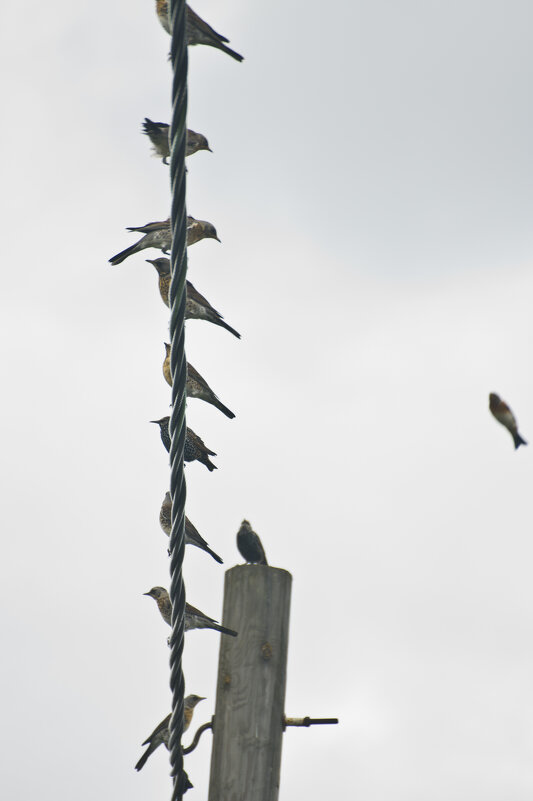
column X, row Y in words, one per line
column 194, row 619
column 504, row 415
column 192, row 535
column 197, row 31
column 159, row 135
column 250, row 545
column 161, row 733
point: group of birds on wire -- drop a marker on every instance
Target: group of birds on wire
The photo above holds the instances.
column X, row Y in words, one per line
column 158, row 235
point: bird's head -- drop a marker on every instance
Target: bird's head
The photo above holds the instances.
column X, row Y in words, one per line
column 156, row 593
column 167, row 348
column 162, row 265
column 192, row 700
column 163, row 423
column 210, row 232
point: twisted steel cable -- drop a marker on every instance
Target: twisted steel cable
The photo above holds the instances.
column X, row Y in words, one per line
column 178, row 367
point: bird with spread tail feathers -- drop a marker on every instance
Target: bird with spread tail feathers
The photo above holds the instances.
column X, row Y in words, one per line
column 159, row 135
column 192, row 535
column 161, row 733
column 249, row 545
column 194, row 619
column 504, row 415
column 197, row 30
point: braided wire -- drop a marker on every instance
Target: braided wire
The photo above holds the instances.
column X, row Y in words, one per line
column 178, row 367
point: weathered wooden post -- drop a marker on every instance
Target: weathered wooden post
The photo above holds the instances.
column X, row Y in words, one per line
column 252, row 670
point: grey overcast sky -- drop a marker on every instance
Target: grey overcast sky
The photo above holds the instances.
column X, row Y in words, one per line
column 372, row 185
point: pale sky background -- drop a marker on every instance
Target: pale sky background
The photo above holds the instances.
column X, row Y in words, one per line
column 372, row 185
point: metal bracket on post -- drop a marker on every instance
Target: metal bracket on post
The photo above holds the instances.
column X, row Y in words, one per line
column 308, row 721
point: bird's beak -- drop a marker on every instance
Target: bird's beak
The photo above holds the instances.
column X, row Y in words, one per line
column 153, row 421
column 208, row 148
column 150, row 261
column 218, row 240
column 147, row 593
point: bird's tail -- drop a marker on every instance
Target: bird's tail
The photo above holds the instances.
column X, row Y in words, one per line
column 230, row 52
column 123, row 255
column 223, row 630
column 215, row 556
column 142, row 761
column 228, row 328
column 210, row 466
column 518, row 440
column 223, row 409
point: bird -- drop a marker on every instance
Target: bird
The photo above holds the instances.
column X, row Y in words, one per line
column 250, row 546
column 197, row 451
column 197, row 387
column 156, row 235
column 162, row 265
column 199, row 229
column 192, row 535
column 198, row 308
column 159, row 135
column 194, row 619
column 197, row 30
column 159, row 235
column 161, row 733
column 166, row 364
column 504, row 415
column 194, row 451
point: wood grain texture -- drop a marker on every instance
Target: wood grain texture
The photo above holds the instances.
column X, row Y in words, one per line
column 250, row 705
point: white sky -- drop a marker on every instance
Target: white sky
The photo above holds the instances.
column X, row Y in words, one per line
column 371, row 183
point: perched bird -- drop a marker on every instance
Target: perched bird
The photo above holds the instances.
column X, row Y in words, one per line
column 194, row 619
column 163, row 430
column 197, row 387
column 197, row 31
column 196, row 451
column 162, row 265
column 199, row 229
column 166, row 364
column 250, row 545
column 161, row 732
column 504, row 415
column 159, row 135
column 198, row 308
column 192, row 535
column 156, row 235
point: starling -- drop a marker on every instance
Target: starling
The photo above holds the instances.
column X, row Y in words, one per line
column 159, row 135
column 196, row 451
column 161, row 732
column 156, row 235
column 250, row 545
column 197, row 387
column 197, row 31
column 192, row 535
column 194, row 619
column 504, row 415
column 198, row 308
column 199, row 229
column 162, row 265
column 163, row 430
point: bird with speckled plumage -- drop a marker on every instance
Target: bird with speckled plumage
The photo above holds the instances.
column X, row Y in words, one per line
column 194, row 619
column 192, row 535
column 250, row 546
column 161, row 733
column 197, row 30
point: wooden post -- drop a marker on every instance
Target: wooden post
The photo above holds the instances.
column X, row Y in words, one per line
column 252, row 670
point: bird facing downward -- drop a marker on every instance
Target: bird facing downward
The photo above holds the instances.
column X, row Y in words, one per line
column 160, row 734
column 249, row 545
column 504, row 415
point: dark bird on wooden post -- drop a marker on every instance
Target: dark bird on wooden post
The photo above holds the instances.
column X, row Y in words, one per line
column 195, row 450
column 197, row 387
column 159, row 135
column 197, row 31
column 194, row 619
column 249, row 545
column 504, row 415
column 192, row 535
column 162, row 265
column 161, row 733
column 156, row 235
